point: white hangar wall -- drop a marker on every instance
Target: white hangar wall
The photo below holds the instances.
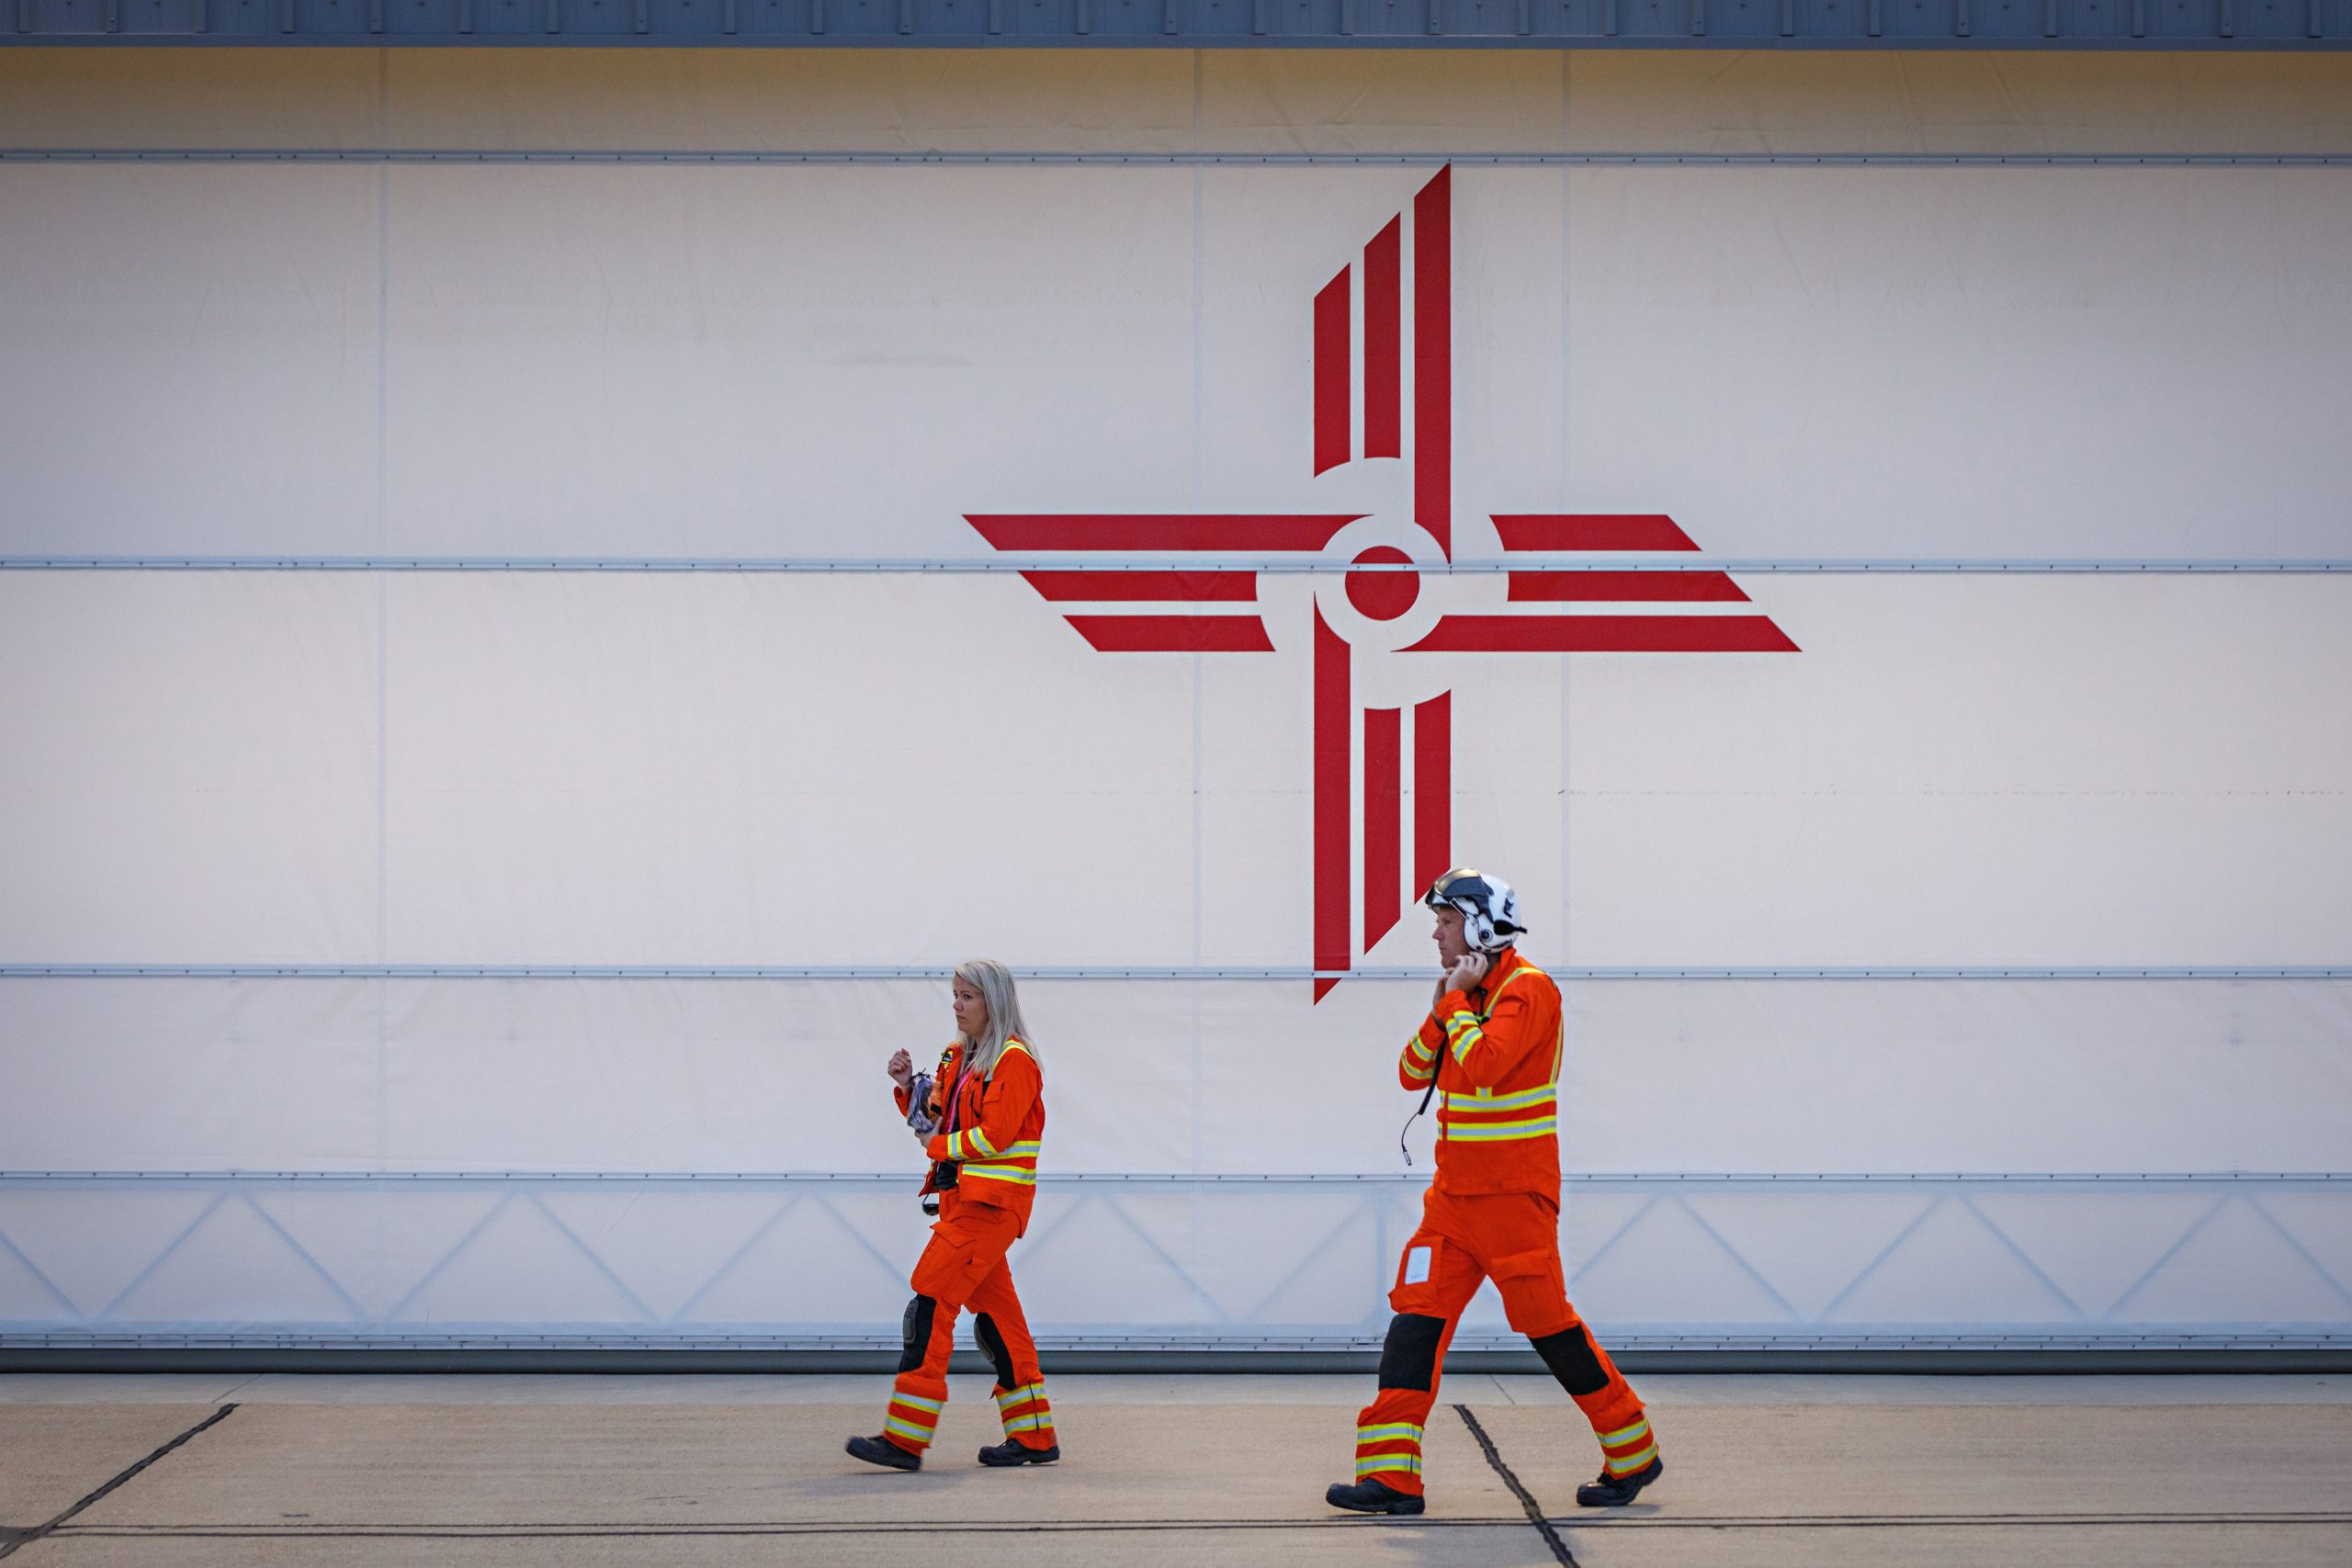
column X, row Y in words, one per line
column 380, row 783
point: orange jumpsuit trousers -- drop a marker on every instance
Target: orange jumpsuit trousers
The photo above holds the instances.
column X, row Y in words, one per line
column 964, row 1266
column 1513, row 1238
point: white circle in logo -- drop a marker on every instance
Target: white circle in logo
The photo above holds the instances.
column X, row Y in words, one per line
column 1379, row 605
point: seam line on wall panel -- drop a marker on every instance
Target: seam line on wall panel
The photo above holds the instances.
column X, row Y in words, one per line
column 1196, row 315
column 948, row 565
column 1145, row 972
column 1164, row 1179
column 1163, row 159
column 383, row 620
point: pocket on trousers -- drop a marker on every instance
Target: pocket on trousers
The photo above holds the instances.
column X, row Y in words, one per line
column 946, row 1276
column 1416, row 1276
column 1534, row 1292
column 952, row 1265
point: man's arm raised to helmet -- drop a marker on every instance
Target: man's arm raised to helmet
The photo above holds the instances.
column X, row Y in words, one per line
column 1487, row 1052
column 1418, row 1064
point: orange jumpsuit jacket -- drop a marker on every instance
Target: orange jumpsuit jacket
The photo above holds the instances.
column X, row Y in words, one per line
column 992, row 1126
column 1494, row 1053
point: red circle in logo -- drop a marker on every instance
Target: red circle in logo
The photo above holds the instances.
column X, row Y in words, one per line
column 1383, row 595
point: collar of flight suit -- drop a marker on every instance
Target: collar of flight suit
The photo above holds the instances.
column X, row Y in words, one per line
column 1506, row 964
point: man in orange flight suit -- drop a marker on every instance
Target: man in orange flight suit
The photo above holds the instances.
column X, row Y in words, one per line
column 1490, row 1049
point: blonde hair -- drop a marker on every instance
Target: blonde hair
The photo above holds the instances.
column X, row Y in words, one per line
column 994, row 982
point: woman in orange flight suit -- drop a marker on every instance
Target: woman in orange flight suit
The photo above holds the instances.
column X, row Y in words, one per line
column 984, row 1114
column 1491, row 1047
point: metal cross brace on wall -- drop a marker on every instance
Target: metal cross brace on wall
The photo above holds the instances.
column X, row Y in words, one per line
column 1124, row 1259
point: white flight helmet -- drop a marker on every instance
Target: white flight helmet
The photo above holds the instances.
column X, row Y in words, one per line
column 1489, row 909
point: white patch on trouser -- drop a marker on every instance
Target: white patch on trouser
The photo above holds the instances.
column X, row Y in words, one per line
column 1417, row 1266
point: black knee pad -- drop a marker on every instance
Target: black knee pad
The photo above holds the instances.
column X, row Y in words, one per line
column 916, row 1325
column 992, row 1345
column 1569, row 1355
column 1409, row 1359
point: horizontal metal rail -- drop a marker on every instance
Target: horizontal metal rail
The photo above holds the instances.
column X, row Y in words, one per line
column 1150, row 158
column 1139, row 1177
column 1307, row 565
column 1421, row 974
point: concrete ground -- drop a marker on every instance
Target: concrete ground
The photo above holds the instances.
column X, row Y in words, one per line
column 191, row 1471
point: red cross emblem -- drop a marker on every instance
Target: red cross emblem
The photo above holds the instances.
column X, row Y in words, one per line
column 1359, row 402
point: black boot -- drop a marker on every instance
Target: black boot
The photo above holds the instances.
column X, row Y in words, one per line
column 1614, row 1491
column 1009, row 1452
column 882, row 1452
column 1372, row 1496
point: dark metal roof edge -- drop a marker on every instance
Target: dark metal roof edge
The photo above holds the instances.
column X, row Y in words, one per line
column 1859, row 1360
column 1387, row 41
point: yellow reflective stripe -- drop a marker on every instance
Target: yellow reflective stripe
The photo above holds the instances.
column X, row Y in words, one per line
column 978, row 1141
column 1413, row 1045
column 1396, row 1431
column 1011, row 1175
column 1627, row 1466
column 918, row 1402
column 1016, row 1151
column 1462, row 1028
column 1462, row 1120
column 1408, row 1465
column 1505, row 985
column 1014, row 1042
column 1457, row 1101
column 1028, row 1424
column 1495, row 1131
column 1623, row 1435
column 920, row 1434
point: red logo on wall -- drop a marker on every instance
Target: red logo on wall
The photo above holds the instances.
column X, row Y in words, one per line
column 1360, row 413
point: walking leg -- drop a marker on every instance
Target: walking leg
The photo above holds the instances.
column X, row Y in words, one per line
column 1002, row 1329
column 1435, row 1281
column 1528, row 1275
column 963, row 1249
